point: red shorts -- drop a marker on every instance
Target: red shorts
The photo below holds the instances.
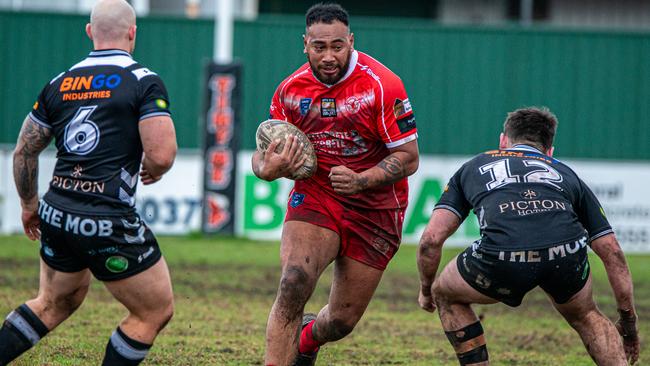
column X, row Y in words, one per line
column 368, row 236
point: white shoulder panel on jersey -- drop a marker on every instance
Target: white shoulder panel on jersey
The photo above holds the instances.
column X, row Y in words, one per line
column 402, row 141
column 58, row 76
column 118, row 60
column 143, row 72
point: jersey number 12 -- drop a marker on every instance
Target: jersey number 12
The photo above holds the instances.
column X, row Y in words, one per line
column 500, row 172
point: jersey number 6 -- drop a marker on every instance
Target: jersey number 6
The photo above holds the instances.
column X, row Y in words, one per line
column 81, row 134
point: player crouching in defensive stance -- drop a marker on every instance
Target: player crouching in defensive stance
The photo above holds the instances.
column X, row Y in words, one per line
column 357, row 115
column 86, row 222
column 536, row 219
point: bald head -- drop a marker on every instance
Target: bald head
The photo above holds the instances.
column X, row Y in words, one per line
column 111, row 21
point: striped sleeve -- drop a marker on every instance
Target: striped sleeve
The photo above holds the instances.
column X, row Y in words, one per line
column 39, row 114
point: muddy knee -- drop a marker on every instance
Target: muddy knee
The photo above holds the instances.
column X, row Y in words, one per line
column 334, row 329
column 439, row 295
column 295, row 288
column 66, row 304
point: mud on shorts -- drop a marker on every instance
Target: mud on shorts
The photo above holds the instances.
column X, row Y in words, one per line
column 371, row 237
column 561, row 271
column 112, row 247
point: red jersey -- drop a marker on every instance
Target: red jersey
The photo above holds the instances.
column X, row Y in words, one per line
column 352, row 123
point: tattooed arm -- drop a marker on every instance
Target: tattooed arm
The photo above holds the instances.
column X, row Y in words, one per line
column 620, row 279
column 33, row 139
column 402, row 162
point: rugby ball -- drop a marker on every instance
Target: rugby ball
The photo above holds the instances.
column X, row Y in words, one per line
column 274, row 129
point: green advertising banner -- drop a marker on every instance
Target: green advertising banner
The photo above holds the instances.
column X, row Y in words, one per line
column 264, row 203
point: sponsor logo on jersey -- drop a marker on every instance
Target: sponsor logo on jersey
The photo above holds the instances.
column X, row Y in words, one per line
column 48, row 251
column 536, row 256
column 77, row 185
column 483, row 281
column 328, row 107
column 117, row 264
column 90, row 82
column 103, row 251
column 341, row 143
column 519, row 154
column 381, row 245
column 77, row 225
column 529, row 194
column 406, row 124
column 76, row 172
column 297, row 199
column 531, row 206
column 145, row 255
column 305, row 103
column 352, row 104
column 401, row 107
column 161, row 103
column 103, row 94
column 89, row 87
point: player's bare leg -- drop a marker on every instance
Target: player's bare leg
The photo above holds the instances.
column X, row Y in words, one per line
column 148, row 297
column 305, row 252
column 59, row 295
column 353, row 286
column 598, row 333
column 453, row 297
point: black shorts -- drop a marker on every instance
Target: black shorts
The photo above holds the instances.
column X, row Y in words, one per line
column 112, row 247
column 507, row 276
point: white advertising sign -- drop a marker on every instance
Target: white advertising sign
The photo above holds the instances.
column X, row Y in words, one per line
column 172, row 206
column 620, row 188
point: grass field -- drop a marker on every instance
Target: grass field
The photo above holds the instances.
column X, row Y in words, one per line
column 224, row 289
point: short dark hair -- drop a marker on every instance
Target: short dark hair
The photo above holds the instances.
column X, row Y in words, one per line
column 531, row 125
column 326, row 13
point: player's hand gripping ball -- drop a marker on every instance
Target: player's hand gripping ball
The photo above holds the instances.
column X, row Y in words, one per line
column 274, row 129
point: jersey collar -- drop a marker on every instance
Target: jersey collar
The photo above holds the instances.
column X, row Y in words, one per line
column 354, row 57
column 526, row 148
column 109, row 52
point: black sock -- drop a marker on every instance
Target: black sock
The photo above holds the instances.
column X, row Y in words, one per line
column 124, row 351
column 21, row 330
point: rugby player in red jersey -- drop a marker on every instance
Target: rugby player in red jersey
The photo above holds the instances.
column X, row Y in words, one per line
column 357, row 115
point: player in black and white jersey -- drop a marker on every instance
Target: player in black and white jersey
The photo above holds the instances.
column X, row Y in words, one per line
column 537, row 218
column 110, row 119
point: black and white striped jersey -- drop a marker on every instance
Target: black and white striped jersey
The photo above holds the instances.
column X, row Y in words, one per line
column 93, row 111
column 525, row 200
